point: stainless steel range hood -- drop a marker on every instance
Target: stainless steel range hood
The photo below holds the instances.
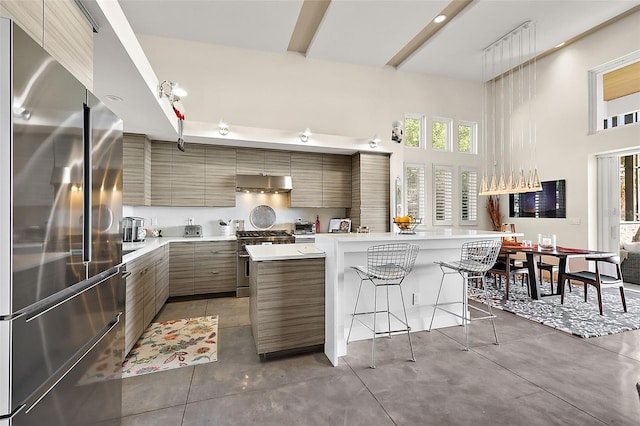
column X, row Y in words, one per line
column 263, row 183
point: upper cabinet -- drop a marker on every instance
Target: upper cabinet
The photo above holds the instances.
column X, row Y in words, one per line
column 202, row 175
column 370, row 191
column 61, row 28
column 306, row 176
column 68, row 36
column 252, row 161
column 220, row 176
column 136, row 170
column 320, row 180
column 29, row 14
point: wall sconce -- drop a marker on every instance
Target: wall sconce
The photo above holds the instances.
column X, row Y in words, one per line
column 304, row 136
column 223, row 128
column 373, row 143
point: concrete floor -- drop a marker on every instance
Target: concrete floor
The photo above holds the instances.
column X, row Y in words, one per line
column 536, row 376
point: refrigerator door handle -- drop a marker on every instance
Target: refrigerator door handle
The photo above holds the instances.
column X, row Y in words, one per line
column 114, row 322
column 65, row 300
column 88, row 185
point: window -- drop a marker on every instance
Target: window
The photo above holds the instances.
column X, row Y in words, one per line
column 413, row 131
column 414, row 187
column 441, row 134
column 467, row 137
column 468, row 196
column 443, row 195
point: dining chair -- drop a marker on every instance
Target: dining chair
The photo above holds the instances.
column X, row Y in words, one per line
column 597, row 279
column 506, row 267
column 387, row 265
column 476, row 258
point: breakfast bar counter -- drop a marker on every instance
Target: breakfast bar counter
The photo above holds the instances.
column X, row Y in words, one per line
column 420, row 287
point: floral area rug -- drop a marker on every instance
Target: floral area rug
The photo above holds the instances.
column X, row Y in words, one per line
column 172, row 344
column 575, row 316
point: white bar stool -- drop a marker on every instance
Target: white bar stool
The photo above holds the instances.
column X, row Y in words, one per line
column 476, row 259
column 387, row 265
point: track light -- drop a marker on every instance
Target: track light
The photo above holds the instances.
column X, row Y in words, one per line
column 373, row 142
column 304, row 136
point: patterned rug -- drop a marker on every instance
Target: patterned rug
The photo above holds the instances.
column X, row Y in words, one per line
column 172, row 344
column 575, row 316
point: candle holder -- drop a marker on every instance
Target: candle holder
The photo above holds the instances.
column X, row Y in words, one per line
column 547, row 241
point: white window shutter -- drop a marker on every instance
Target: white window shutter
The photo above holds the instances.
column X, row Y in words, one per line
column 443, row 195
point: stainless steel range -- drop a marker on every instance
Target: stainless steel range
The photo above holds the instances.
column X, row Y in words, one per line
column 246, row 238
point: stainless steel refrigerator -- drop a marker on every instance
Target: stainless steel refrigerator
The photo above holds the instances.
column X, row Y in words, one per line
column 61, row 287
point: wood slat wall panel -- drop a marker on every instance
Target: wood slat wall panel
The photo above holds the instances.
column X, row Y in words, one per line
column 161, row 159
column 306, row 174
column 181, row 269
column 336, row 180
column 28, row 14
column 250, row 161
column 68, row 36
column 287, row 306
column 277, row 163
column 136, row 170
column 621, row 82
column 220, row 177
column 188, row 177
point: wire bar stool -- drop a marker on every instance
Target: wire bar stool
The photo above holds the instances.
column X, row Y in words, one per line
column 476, row 258
column 387, row 265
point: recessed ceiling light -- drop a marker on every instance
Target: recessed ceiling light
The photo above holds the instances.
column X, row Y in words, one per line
column 440, row 18
column 113, row 98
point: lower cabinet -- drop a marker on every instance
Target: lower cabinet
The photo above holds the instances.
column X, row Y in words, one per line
column 287, row 304
column 140, row 299
column 162, row 277
column 202, row 267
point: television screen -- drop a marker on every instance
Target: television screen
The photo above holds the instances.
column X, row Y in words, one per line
column 550, row 202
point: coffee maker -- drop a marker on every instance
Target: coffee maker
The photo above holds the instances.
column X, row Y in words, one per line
column 133, row 229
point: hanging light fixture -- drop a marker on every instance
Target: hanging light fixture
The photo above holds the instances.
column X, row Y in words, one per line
column 507, row 69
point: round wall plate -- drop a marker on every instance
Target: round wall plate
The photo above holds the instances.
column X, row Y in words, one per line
column 262, row 217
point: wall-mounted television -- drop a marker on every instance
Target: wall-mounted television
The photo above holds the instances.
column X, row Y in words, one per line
column 550, row 202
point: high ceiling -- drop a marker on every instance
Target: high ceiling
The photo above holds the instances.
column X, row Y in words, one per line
column 371, row 32
column 365, row 32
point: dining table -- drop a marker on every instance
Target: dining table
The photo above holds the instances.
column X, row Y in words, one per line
column 534, row 252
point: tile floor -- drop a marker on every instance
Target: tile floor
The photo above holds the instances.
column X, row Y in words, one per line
column 536, row 376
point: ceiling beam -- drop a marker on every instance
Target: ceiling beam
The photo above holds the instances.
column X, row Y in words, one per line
column 452, row 9
column 311, row 15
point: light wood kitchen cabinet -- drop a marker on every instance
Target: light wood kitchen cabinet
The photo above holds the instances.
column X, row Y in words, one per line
column 68, row 36
column 28, row 14
column 320, row 180
column 336, row 180
column 61, row 28
column 161, row 155
column 215, row 267
column 162, row 277
column 136, row 170
column 220, row 176
column 187, row 176
column 202, row 267
column 370, row 191
column 306, row 175
column 287, row 304
column 251, row 161
column 181, row 269
column 140, row 298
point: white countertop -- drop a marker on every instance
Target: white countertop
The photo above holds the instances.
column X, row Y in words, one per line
column 263, row 253
column 150, row 244
column 424, row 234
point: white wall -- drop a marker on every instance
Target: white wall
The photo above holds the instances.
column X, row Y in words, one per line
column 564, row 148
column 264, row 90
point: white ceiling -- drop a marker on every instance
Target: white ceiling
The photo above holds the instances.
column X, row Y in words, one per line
column 363, row 32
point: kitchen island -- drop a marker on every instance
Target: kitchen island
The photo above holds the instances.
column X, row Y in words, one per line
column 420, row 287
column 286, row 289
